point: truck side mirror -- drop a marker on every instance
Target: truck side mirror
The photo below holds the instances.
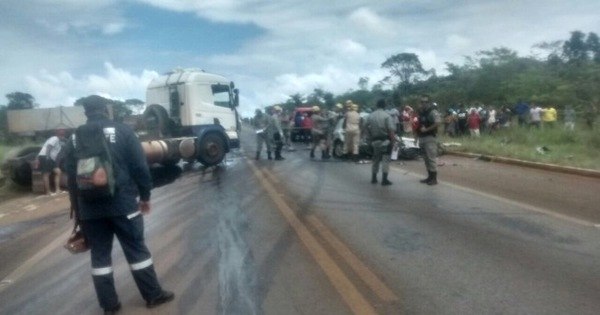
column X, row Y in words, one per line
column 236, row 97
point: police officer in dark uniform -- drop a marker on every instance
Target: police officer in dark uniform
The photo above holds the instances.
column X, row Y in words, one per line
column 429, row 121
column 120, row 215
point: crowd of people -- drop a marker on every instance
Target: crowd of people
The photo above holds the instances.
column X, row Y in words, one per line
column 380, row 128
column 476, row 120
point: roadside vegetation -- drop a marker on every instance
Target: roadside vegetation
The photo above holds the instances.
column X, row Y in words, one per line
column 579, row 148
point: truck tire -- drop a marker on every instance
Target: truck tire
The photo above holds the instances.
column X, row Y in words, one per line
column 409, row 153
column 18, row 164
column 211, row 149
column 338, row 149
column 156, row 121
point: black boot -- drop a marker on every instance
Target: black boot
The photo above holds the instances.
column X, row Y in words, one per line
column 326, row 155
column 433, row 180
column 278, row 156
column 269, row 155
column 385, row 181
column 426, row 180
column 257, row 155
column 312, row 153
column 374, row 178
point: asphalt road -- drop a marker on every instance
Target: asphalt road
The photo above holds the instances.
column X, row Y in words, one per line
column 313, row 237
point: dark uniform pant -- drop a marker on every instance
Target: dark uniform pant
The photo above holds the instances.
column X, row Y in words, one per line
column 130, row 233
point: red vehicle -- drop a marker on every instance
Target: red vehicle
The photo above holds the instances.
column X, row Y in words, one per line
column 298, row 133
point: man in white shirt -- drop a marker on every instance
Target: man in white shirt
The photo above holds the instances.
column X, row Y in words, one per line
column 48, row 161
column 536, row 116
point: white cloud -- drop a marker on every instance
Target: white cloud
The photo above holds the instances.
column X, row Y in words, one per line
column 458, row 43
column 303, row 45
column 64, row 89
column 367, row 20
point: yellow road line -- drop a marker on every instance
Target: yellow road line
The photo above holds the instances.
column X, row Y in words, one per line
column 272, row 177
column 370, row 279
column 349, row 293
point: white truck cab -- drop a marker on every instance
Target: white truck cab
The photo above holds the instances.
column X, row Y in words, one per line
column 190, row 103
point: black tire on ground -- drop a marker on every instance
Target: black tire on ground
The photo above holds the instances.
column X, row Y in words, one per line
column 338, row 149
column 211, row 149
column 19, row 166
column 409, row 153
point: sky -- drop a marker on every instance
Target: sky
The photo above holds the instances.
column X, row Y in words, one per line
column 61, row 50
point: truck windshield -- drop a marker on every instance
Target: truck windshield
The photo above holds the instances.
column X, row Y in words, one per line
column 221, row 95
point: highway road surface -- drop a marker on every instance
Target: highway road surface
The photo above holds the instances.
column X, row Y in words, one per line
column 315, row 237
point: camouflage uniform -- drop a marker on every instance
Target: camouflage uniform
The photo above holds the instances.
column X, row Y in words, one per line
column 320, row 132
column 379, row 127
column 275, row 134
column 261, row 122
column 428, row 116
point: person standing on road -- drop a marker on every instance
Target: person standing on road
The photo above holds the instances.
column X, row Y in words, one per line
column 120, row 214
column 260, row 122
column 381, row 132
column 319, row 133
column 429, row 120
column 275, row 132
column 48, row 160
column 352, row 132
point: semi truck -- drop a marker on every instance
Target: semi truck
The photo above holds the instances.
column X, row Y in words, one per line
column 190, row 115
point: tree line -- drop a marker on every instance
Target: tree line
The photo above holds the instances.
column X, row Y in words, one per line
column 568, row 73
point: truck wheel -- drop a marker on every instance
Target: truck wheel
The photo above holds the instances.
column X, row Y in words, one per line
column 409, row 153
column 211, row 149
column 156, row 121
column 338, row 149
column 18, row 164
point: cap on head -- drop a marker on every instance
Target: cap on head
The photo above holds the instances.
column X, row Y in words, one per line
column 94, row 104
column 339, row 106
column 277, row 108
column 348, row 103
column 354, row 107
column 316, row 108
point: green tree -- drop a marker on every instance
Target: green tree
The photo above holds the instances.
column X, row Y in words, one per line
column 405, row 66
column 3, row 122
column 363, row 83
column 296, row 99
column 593, row 45
column 135, row 105
column 120, row 109
column 575, row 49
column 20, row 100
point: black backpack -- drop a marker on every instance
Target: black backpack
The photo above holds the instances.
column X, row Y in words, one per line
column 95, row 170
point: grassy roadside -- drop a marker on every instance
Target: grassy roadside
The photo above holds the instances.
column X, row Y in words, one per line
column 579, row 148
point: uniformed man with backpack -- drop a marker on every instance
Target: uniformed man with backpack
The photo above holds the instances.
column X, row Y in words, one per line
column 107, row 172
